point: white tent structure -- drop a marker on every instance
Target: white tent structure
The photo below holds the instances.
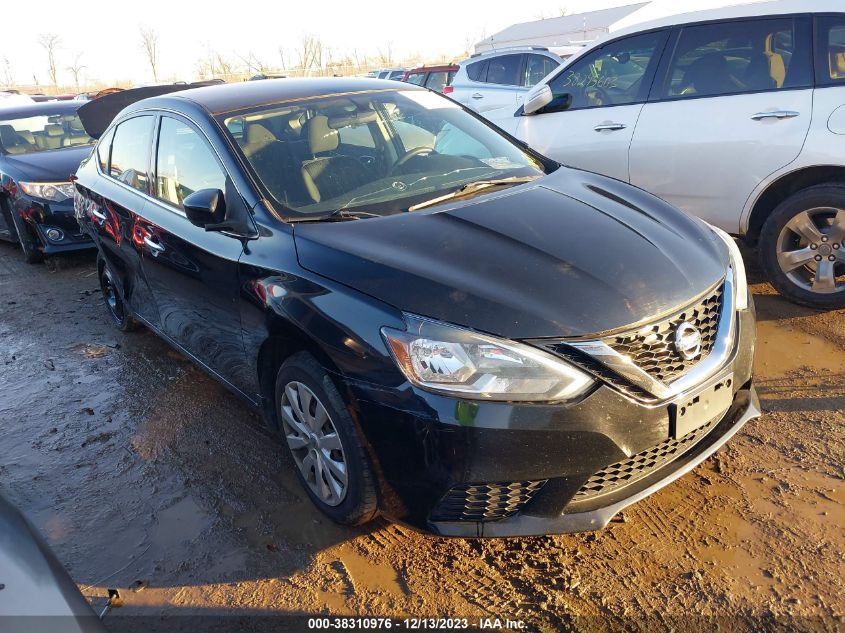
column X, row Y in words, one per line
column 573, row 31
column 564, row 31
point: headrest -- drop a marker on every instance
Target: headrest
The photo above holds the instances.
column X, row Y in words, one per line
column 321, row 137
column 53, row 129
column 837, row 64
column 356, row 118
column 8, row 136
column 257, row 138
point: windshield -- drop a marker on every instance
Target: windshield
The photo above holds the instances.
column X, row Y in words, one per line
column 43, row 132
column 382, row 151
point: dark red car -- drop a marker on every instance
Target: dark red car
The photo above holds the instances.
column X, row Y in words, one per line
column 437, row 78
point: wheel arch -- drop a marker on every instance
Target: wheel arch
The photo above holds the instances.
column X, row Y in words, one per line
column 285, row 340
column 785, row 186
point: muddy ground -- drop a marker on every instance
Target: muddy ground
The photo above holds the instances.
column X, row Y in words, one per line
column 146, row 475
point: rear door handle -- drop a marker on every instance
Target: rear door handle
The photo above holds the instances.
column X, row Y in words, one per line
column 154, row 246
column 97, row 214
column 612, row 127
column 776, row 114
column 478, row 95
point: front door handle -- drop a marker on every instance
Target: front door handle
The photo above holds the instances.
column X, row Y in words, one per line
column 610, row 127
column 478, row 95
column 775, row 114
column 97, row 214
column 154, row 246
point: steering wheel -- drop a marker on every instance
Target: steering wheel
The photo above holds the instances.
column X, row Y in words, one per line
column 417, row 151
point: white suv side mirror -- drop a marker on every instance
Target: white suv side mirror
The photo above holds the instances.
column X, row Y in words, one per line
column 538, row 97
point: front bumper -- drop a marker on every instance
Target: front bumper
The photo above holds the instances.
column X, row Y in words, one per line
column 41, row 216
column 426, row 446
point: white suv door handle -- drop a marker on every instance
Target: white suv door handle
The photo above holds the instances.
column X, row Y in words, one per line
column 611, row 127
column 478, row 95
column 776, row 114
column 97, row 214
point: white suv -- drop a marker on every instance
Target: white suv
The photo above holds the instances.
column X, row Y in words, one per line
column 501, row 78
column 735, row 115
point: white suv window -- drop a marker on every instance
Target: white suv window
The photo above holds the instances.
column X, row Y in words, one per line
column 537, row 67
column 503, row 70
column 738, row 57
column 612, row 75
column 831, row 57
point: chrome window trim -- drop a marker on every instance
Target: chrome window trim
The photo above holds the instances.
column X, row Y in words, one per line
column 707, row 368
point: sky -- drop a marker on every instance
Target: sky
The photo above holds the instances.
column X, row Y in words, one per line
column 104, row 37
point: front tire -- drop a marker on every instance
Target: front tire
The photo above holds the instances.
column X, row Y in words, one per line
column 119, row 313
column 802, row 247
column 324, row 443
column 31, row 253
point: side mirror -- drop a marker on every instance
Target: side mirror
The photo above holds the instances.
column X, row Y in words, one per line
column 205, row 208
column 537, row 99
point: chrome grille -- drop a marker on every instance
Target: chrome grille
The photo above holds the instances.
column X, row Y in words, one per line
column 485, row 502
column 642, row 464
column 652, row 347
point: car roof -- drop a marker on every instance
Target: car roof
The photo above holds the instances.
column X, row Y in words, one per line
column 436, row 68
column 749, row 10
column 250, row 94
column 510, row 50
column 38, row 109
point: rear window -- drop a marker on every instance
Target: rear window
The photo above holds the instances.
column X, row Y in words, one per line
column 830, row 65
column 130, row 153
column 504, row 70
column 416, row 78
column 438, row 80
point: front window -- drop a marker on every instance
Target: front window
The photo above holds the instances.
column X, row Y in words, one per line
column 615, row 74
column 184, row 163
column 25, row 135
column 380, row 152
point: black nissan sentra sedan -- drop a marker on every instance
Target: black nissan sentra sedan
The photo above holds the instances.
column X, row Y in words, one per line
column 41, row 145
column 444, row 326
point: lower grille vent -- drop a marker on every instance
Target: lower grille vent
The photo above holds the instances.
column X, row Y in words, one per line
column 485, row 502
column 640, row 465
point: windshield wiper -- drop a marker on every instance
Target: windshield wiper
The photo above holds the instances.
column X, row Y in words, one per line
column 472, row 188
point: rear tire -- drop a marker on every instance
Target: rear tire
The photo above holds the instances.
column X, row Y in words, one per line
column 120, row 315
column 324, row 443
column 802, row 247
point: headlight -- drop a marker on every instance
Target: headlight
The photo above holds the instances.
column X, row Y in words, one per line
column 452, row 360
column 53, row 191
column 738, row 266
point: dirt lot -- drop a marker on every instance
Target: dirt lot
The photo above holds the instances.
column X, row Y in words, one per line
column 146, row 475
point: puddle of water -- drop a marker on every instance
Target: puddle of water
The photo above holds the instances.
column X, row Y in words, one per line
column 367, row 574
column 183, row 521
column 782, row 349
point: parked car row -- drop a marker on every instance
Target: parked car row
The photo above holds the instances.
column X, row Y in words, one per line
column 443, row 324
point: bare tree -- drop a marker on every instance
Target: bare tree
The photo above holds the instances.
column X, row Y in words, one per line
column 50, row 42
column 76, row 68
column 385, row 56
column 149, row 42
column 225, row 66
column 311, row 54
column 8, row 77
column 252, row 62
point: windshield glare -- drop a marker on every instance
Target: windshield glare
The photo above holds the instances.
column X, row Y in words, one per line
column 42, row 132
column 376, row 151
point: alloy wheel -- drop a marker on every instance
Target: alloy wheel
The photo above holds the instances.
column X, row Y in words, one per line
column 314, row 443
column 811, row 250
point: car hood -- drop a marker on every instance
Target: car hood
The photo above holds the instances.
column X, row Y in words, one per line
column 570, row 255
column 48, row 166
